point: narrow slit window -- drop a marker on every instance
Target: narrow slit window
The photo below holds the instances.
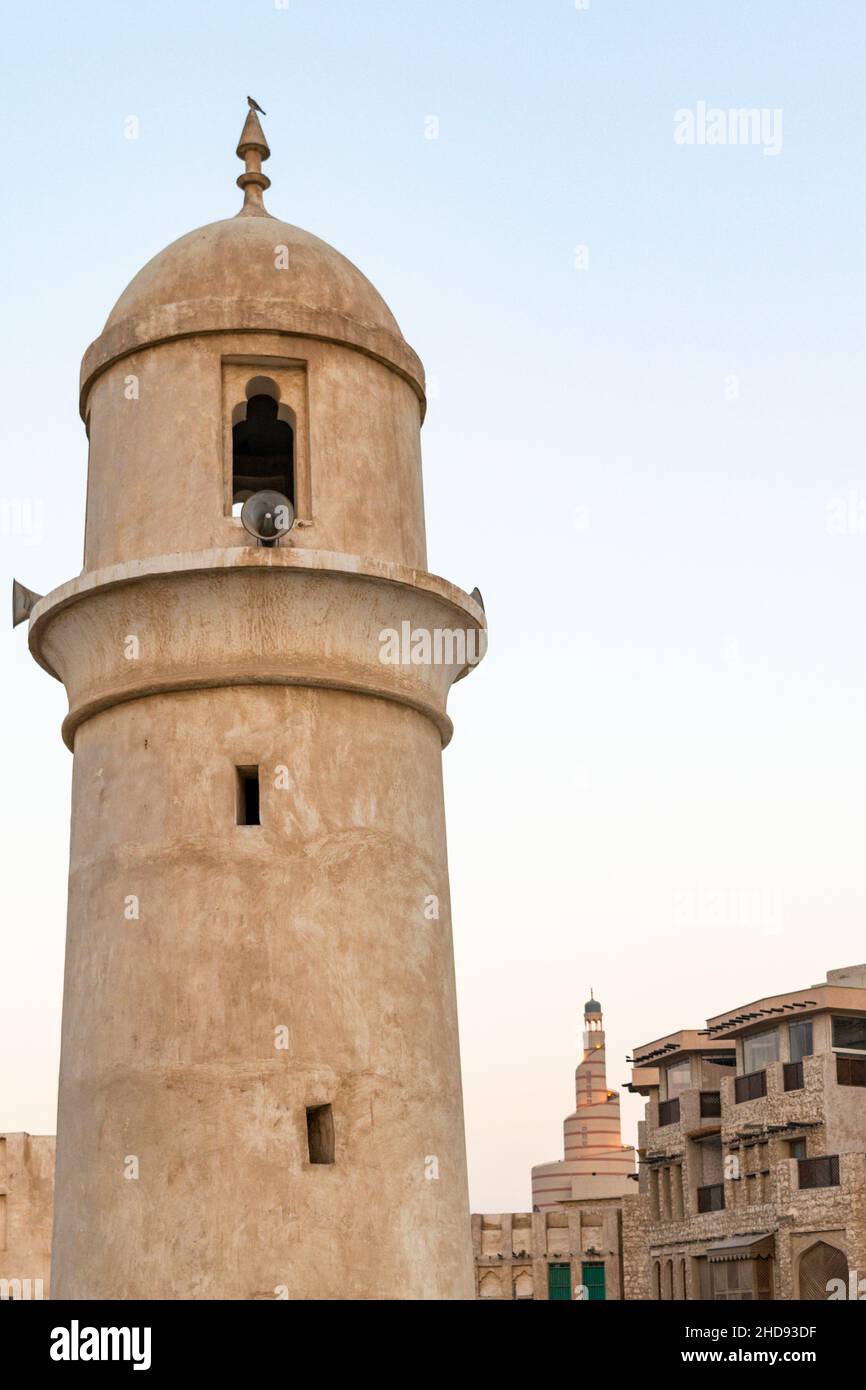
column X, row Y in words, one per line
column 320, row 1133
column 248, row 796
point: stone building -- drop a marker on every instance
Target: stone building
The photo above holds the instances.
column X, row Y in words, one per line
column 26, row 1205
column 753, row 1152
column 552, row 1254
column 570, row 1245
column 260, row 1089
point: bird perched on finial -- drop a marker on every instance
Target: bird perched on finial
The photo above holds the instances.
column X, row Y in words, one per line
column 254, row 105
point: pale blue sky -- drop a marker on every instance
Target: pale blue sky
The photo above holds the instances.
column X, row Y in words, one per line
column 673, row 701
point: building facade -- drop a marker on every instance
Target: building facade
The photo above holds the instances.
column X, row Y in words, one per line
column 753, row 1152
column 260, row 1089
column 551, row 1254
column 26, row 1209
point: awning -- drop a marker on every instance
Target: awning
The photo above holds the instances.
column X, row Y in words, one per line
column 760, row 1247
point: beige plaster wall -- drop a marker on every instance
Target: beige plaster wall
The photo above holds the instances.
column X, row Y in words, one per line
column 156, row 471
column 26, row 1201
column 315, row 921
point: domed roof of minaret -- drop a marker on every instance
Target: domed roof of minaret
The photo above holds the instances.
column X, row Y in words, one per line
column 592, row 1006
column 252, row 272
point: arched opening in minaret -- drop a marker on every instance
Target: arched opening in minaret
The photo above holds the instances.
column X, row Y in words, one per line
column 263, row 444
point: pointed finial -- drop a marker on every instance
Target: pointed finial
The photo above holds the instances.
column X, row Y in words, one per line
column 253, row 149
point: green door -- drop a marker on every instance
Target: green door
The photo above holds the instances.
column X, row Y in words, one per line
column 559, row 1281
column 593, row 1279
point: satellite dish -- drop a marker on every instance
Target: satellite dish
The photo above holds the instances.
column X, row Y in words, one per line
column 268, row 516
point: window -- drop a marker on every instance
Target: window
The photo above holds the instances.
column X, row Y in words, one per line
column 678, row 1079
column 710, row 1160
column 764, row 1280
column 669, row 1112
column 710, row 1165
column 850, row 1032
column 701, row 1280
column 248, row 796
column 742, row 1280
column 851, row 1071
column 263, row 447
column 800, row 1040
column 797, row 1148
column 792, row 1076
column 819, row 1172
column 732, row 1280
column 320, row 1133
column 760, row 1049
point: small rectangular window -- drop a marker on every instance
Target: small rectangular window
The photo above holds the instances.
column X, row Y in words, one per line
column 248, row 796
column 819, row 1172
column 850, row 1033
column 851, row 1071
column 320, row 1133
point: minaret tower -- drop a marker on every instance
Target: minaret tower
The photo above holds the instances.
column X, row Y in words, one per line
column 259, row 1084
column 595, row 1164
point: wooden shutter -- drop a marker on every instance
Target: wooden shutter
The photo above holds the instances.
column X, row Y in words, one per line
column 820, row 1264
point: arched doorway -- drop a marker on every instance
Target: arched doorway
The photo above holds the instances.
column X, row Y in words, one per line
column 818, row 1265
